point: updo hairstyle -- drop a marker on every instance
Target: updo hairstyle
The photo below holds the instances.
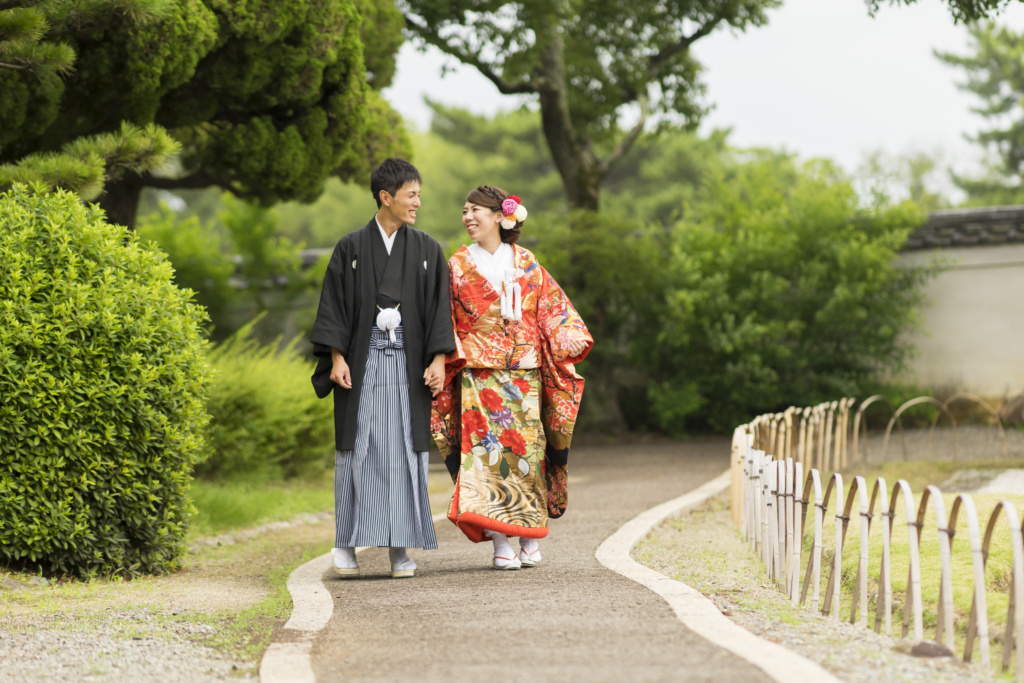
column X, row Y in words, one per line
column 492, row 197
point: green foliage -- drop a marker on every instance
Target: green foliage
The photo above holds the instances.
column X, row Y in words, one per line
column 587, row 64
column 963, row 11
column 266, row 421
column 782, row 290
column 238, row 264
column 267, row 98
column 102, row 381
column 994, row 76
column 201, row 261
column 914, row 176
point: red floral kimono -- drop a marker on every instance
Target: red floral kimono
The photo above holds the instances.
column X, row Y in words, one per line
column 504, row 420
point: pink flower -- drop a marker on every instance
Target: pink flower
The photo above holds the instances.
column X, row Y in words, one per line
column 508, row 207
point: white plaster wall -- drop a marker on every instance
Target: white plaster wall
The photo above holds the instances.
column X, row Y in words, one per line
column 972, row 333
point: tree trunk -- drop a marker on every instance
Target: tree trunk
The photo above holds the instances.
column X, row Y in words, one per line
column 575, row 160
column 121, row 200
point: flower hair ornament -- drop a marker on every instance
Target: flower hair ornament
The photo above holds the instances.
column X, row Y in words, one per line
column 514, row 212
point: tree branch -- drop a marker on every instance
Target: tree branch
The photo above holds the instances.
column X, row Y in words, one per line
column 13, row 66
column 626, row 143
column 673, row 49
column 434, row 38
column 196, row 181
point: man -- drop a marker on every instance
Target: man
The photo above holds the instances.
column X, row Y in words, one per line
column 382, row 330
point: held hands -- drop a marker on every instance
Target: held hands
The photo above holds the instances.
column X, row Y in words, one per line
column 340, row 373
column 433, row 376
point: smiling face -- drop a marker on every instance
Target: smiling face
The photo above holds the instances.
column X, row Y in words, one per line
column 401, row 207
column 481, row 223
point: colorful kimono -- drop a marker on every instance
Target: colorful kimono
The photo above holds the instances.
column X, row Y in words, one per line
column 505, row 418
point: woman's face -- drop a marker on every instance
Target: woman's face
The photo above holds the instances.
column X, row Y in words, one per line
column 480, row 222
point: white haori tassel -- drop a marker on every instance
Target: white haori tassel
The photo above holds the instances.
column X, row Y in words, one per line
column 517, row 304
column 389, row 319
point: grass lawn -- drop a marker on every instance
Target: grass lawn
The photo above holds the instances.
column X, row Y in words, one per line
column 226, row 506
column 918, row 475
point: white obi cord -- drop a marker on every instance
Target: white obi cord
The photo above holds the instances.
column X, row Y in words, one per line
column 511, row 297
column 388, row 320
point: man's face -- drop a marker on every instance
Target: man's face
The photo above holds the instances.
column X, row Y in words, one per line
column 403, row 205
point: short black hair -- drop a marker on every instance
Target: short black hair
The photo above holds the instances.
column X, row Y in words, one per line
column 391, row 175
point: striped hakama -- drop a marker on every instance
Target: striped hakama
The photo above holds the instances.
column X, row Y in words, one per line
column 380, row 487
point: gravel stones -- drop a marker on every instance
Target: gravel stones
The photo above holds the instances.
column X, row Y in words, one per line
column 127, row 646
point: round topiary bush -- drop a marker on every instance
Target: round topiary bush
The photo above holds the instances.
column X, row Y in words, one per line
column 102, row 380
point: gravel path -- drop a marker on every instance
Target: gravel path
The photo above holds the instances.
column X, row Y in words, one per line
column 704, row 550
column 130, row 646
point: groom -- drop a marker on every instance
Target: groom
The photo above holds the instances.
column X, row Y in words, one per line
column 381, row 333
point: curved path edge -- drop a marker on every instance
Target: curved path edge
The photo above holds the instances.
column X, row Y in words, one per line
column 289, row 658
column 696, row 612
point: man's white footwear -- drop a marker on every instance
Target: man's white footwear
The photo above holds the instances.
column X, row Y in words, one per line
column 402, row 566
column 345, row 562
column 529, row 552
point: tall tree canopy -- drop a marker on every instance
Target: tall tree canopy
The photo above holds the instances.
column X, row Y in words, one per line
column 587, row 63
column 962, row 10
column 267, row 98
column 36, row 55
column 995, row 74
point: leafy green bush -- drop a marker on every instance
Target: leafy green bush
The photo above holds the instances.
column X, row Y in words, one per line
column 266, row 421
column 102, row 377
column 782, row 291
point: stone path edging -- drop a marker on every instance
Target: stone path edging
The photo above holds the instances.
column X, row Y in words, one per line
column 695, row 611
column 288, row 660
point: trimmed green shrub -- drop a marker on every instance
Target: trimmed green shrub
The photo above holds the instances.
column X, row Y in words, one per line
column 266, row 421
column 102, row 376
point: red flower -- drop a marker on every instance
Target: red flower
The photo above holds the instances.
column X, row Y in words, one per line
column 491, row 400
column 516, row 199
column 482, row 374
column 510, row 438
column 473, row 423
column 467, row 442
column 522, row 384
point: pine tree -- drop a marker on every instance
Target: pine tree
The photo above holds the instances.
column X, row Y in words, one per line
column 264, row 98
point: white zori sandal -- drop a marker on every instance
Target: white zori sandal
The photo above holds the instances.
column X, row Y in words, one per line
column 402, row 566
column 505, row 558
column 529, row 552
column 345, row 562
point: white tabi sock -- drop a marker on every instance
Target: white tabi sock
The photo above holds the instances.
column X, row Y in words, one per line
column 529, row 547
column 503, row 553
column 400, row 559
column 344, row 558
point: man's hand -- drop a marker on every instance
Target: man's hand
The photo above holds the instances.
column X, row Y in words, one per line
column 433, row 376
column 340, row 373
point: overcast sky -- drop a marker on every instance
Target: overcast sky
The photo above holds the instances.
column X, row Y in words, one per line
column 823, row 79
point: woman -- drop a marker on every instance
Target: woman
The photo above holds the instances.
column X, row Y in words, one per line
column 505, row 417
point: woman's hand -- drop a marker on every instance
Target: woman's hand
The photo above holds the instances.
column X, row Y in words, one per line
column 576, row 347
